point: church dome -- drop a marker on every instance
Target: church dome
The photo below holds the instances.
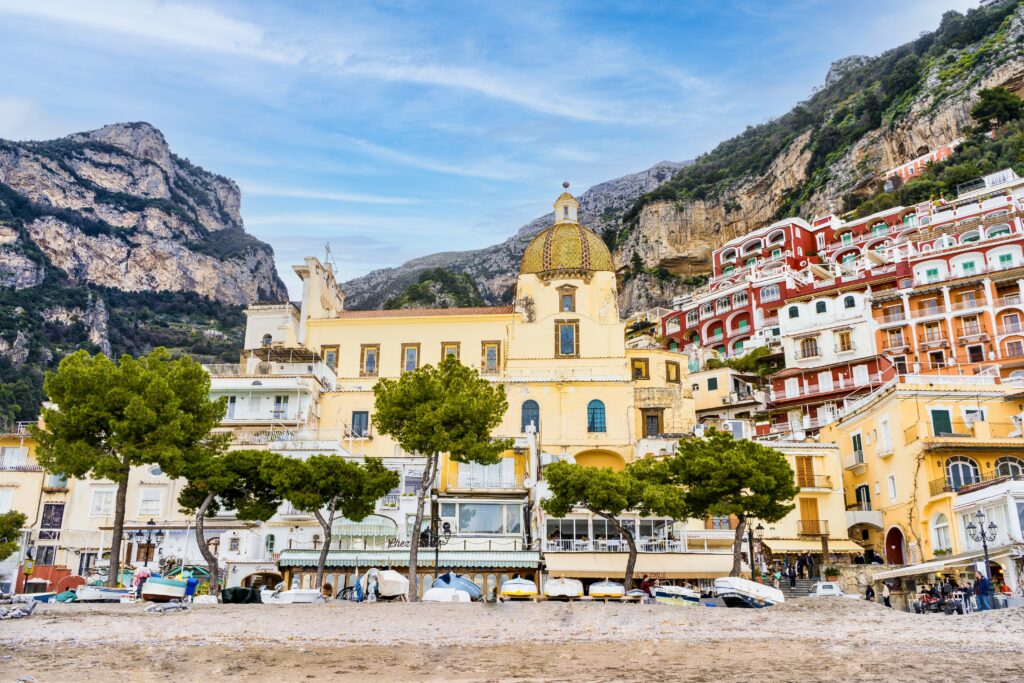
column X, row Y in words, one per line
column 566, row 248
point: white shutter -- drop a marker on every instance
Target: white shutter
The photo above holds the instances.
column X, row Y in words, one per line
column 792, row 387
column 860, row 375
column 6, row 500
column 825, row 380
column 508, row 471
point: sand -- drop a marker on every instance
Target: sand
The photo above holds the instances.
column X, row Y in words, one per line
column 806, row 640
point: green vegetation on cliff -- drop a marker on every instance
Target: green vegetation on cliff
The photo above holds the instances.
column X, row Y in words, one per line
column 864, row 96
column 440, row 288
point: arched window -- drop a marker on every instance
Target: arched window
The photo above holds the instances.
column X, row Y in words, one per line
column 961, row 471
column 1009, row 466
column 270, row 543
column 769, row 293
column 531, row 415
column 809, row 348
column 595, row 416
column 794, row 312
column 940, row 533
column 267, row 339
column 820, row 307
column 849, row 302
column 673, row 346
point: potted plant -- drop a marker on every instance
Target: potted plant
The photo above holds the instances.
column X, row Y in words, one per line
column 832, row 573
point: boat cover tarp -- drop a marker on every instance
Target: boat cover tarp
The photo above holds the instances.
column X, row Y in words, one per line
column 241, row 596
column 660, row 565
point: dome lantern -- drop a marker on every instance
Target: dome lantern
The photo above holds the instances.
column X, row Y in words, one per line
column 566, row 249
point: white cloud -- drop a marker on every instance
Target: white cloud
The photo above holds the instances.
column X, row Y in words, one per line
column 264, row 190
column 492, row 169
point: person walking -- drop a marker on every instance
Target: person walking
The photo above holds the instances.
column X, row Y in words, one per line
column 886, row 595
column 810, row 566
column 869, row 594
column 776, row 577
column 982, row 591
column 791, row 573
column 800, row 566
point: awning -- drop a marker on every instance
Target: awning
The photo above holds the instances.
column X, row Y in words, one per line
column 912, row 569
column 658, row 565
column 795, row 545
column 400, row 558
column 372, row 525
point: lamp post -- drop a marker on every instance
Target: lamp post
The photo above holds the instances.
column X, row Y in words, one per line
column 758, row 536
column 147, row 540
column 984, row 535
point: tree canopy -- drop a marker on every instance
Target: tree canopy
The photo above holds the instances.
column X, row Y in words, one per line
column 112, row 416
column 608, row 494
column 10, row 532
column 997, row 105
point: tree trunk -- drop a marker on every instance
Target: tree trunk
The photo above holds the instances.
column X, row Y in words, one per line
column 204, row 549
column 414, row 542
column 631, row 542
column 737, row 547
column 321, row 562
column 114, row 577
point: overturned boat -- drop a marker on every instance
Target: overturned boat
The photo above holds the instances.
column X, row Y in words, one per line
column 292, row 596
column 101, row 594
column 606, row 589
column 737, row 592
column 439, row 594
column 563, row 588
column 159, row 589
column 675, row 595
column 382, row 584
column 518, row 587
column 459, row 582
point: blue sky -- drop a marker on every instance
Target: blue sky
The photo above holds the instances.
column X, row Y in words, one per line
column 397, row 129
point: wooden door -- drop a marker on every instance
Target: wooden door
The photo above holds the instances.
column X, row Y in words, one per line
column 809, row 516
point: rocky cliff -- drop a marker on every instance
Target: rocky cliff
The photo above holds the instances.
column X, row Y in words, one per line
column 111, row 242
column 495, row 268
column 827, row 154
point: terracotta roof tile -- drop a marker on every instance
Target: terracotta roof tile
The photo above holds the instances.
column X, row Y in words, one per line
column 426, row 312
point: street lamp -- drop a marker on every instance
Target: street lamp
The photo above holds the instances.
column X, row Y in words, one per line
column 147, row 540
column 758, row 536
column 984, row 535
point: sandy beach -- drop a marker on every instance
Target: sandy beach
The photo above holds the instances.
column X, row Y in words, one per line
column 806, row 640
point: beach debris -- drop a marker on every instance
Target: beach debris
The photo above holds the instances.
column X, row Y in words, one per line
column 18, row 612
column 168, row 607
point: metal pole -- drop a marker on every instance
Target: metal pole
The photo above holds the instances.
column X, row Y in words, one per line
column 984, row 546
column 436, row 537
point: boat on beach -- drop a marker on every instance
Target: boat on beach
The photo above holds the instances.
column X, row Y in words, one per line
column 159, row 589
column 440, row 594
column 675, row 595
column 459, row 582
column 518, row 587
column 563, row 588
column 101, row 594
column 292, row 596
column 737, row 592
column 606, row 589
column 383, row 584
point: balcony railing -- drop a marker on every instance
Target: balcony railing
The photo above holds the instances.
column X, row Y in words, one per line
column 932, row 338
column 21, row 467
column 771, row 322
column 862, row 506
column 967, row 305
column 15, row 429
column 812, row 527
column 853, row 460
column 893, row 317
column 925, row 311
column 1011, row 329
column 571, row 545
column 390, row 502
column 1009, row 300
column 842, row 384
column 469, row 482
column 814, row 481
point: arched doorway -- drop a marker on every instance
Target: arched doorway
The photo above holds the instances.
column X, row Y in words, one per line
column 601, row 458
column 261, row 580
column 895, row 546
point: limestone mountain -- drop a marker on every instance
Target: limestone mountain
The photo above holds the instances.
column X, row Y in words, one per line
column 827, row 154
column 109, row 241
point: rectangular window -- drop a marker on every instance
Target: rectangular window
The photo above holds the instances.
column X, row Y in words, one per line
column 369, row 360
column 1005, row 260
column 861, row 376
column 149, row 501
column 46, row 555
column 410, row 357
column 672, row 372
column 51, row 520
column 1014, row 349
column 480, row 518
column 13, row 457
column 491, row 352
column 360, row 423
column 232, row 406
column 281, row 407
column 55, row 482
column 969, row 268
column 901, row 364
column 450, row 349
column 858, row 447
column 844, row 341
column 330, row 356
column 255, row 405
column 641, row 368
column 942, row 423
column 412, row 483
column 712, row 384
column 566, row 332
column 102, row 503
column 884, row 436
column 891, row 482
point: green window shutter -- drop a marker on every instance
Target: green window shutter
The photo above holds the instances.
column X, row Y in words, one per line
column 941, row 422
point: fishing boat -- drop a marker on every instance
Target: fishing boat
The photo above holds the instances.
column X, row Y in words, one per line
column 440, row 594
column 675, row 595
column 563, row 588
column 383, row 584
column 459, row 582
column 159, row 589
column 606, row 589
column 292, row 596
column 518, row 587
column 43, row 597
column 101, row 594
column 737, row 592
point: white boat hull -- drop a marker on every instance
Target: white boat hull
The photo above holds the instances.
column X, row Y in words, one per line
column 563, row 588
column 295, row 596
column 606, row 589
column 737, row 592
column 446, row 595
column 676, row 595
column 518, row 588
column 101, row 594
column 159, row 592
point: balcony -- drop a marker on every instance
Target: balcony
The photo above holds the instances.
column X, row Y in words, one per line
column 469, row 482
column 1011, row 329
column 812, row 527
column 862, row 514
column 692, row 541
column 928, row 311
column 814, row 481
column 896, row 345
column 898, row 317
column 715, row 338
column 389, row 502
column 16, row 429
column 933, row 339
column 771, row 322
column 972, row 334
column 1009, row 300
column 854, row 462
column 845, row 348
column 20, row 467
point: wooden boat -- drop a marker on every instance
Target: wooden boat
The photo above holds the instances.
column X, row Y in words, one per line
column 293, row 596
column 459, row 582
column 675, row 595
column 563, row 588
column 158, row 589
column 101, row 594
column 606, row 589
column 440, row 594
column 518, row 587
column 737, row 592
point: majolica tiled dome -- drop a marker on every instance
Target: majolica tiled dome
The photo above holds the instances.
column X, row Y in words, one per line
column 566, row 249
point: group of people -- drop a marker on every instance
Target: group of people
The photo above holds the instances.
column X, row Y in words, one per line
column 802, row 566
column 982, row 588
column 869, row 594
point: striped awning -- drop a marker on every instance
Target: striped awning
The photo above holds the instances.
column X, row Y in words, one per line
column 371, row 526
column 602, row 565
column 468, row 559
column 800, row 545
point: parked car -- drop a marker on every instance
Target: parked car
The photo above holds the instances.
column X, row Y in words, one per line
column 829, row 589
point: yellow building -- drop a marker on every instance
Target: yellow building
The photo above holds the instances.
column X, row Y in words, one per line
column 912, row 451
column 21, row 483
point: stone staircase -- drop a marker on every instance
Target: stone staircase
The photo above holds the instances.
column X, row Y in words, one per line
column 802, row 587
